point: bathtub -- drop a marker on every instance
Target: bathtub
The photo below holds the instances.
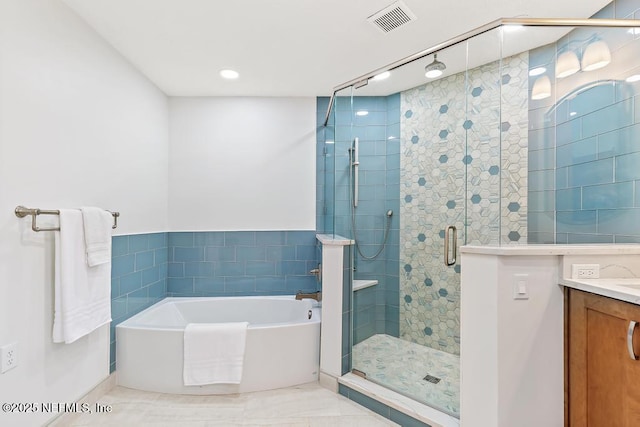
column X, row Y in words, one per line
column 282, row 347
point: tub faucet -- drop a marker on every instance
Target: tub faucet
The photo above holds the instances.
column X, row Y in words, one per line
column 313, row 295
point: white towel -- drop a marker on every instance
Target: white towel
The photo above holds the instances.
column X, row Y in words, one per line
column 97, row 235
column 214, row 353
column 82, row 300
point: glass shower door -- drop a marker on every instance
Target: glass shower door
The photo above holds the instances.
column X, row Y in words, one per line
column 416, row 350
column 447, row 189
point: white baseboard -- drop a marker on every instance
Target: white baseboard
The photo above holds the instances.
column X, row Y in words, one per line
column 92, row 397
column 328, row 381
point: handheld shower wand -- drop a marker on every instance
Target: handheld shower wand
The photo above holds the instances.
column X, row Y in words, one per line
column 353, row 171
column 355, row 163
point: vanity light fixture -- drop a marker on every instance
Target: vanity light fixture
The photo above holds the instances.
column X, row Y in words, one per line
column 596, row 56
column 537, row 71
column 633, row 78
column 541, row 88
column 567, row 64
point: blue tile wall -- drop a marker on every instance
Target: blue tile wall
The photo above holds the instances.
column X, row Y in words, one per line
column 149, row 267
column 376, row 310
column 138, row 278
column 595, row 134
column 228, row 263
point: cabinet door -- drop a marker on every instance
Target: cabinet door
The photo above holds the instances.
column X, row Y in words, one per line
column 604, row 380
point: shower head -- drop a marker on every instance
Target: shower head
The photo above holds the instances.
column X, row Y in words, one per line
column 434, row 69
column 389, row 213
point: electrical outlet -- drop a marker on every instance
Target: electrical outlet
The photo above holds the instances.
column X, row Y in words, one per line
column 8, row 357
column 585, row 271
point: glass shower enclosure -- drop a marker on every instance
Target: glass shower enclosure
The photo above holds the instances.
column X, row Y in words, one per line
column 512, row 144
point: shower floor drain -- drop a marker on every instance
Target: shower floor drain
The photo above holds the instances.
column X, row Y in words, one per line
column 432, row 379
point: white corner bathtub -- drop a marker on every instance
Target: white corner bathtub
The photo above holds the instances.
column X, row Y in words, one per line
column 282, row 347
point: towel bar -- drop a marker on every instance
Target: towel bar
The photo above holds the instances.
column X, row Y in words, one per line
column 21, row 212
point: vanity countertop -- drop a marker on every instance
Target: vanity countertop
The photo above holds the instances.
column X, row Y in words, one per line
column 626, row 289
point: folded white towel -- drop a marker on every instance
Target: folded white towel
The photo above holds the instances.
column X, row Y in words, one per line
column 97, row 235
column 82, row 300
column 214, row 353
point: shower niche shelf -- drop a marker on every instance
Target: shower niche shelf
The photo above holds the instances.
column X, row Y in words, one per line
column 361, row 284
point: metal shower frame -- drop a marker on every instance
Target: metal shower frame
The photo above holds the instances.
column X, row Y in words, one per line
column 524, row 22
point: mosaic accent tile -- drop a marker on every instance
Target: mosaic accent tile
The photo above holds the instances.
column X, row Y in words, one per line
column 486, row 112
column 402, row 366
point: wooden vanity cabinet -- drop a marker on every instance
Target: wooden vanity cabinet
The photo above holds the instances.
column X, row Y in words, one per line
column 603, row 381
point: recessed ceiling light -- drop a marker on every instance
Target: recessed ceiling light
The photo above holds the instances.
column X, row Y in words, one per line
column 382, row 76
column 633, row 78
column 229, row 74
column 537, row 71
column 512, row 28
column 362, row 113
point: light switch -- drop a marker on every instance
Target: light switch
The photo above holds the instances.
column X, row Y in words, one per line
column 520, row 284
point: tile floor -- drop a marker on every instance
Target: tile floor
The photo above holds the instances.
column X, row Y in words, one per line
column 307, row 405
column 401, row 365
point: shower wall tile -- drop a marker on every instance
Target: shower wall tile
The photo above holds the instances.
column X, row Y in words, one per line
column 542, row 201
column 609, row 196
column 576, row 222
column 379, row 150
column 569, row 132
column 609, row 118
column 627, row 166
column 618, row 221
column 541, row 139
column 585, row 150
column 434, row 193
column 596, row 172
column 597, row 143
column 538, row 159
column 569, row 199
column 619, row 142
column 592, row 100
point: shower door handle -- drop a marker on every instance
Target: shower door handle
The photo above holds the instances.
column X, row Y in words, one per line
column 447, row 236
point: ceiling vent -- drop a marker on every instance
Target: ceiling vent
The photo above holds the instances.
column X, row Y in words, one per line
column 392, row 17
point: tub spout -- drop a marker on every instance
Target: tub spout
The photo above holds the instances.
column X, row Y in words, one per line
column 314, row 295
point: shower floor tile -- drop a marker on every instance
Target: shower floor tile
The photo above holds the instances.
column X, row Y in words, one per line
column 402, row 365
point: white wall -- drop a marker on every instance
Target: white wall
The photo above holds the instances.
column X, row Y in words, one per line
column 242, row 164
column 78, row 126
column 512, row 365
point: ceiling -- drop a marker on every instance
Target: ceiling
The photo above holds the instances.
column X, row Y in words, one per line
column 286, row 47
